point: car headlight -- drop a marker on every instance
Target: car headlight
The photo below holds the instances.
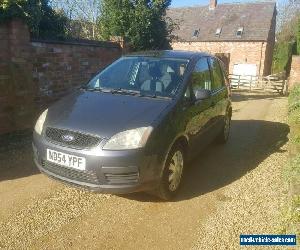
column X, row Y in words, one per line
column 129, row 139
column 40, row 122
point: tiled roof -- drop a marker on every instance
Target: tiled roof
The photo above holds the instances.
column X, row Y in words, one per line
column 255, row 18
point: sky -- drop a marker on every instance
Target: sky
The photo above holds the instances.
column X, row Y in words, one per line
column 180, row 3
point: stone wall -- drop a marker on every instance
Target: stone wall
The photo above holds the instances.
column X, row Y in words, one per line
column 33, row 74
column 295, row 72
column 239, row 52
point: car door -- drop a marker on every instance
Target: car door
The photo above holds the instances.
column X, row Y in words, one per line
column 200, row 112
column 218, row 94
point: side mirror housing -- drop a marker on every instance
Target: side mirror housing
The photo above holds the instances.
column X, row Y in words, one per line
column 202, row 94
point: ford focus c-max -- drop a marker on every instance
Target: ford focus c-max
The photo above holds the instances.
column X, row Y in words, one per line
column 134, row 125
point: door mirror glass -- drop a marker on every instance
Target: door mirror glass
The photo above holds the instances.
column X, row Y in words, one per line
column 202, row 94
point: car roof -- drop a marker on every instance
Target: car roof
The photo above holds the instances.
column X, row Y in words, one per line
column 179, row 54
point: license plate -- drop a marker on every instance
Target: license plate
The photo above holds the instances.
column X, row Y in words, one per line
column 66, row 160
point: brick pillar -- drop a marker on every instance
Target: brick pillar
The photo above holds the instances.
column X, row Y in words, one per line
column 294, row 78
column 17, row 101
column 6, row 121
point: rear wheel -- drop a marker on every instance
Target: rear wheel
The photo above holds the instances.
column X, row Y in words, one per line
column 172, row 175
column 224, row 134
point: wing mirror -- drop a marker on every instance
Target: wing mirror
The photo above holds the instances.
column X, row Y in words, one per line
column 202, row 94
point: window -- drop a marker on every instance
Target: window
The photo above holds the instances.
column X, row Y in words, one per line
column 196, row 33
column 201, row 75
column 240, row 32
column 217, row 74
column 145, row 75
column 218, row 32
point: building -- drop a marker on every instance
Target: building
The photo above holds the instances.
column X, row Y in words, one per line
column 242, row 34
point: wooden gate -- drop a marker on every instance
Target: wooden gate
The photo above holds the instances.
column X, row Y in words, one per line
column 273, row 83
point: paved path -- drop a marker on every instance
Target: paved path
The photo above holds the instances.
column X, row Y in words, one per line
column 227, row 190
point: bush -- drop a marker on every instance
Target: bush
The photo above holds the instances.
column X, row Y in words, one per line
column 282, row 56
column 292, row 171
column 42, row 20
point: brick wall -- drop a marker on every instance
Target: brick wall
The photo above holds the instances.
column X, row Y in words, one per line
column 60, row 67
column 16, row 86
column 295, row 72
column 240, row 52
column 36, row 73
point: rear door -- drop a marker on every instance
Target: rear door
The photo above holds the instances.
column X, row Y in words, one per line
column 219, row 94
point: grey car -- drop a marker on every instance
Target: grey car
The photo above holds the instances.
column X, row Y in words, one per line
column 134, row 126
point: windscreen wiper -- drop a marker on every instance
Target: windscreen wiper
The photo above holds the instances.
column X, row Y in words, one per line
column 121, row 91
column 154, row 96
column 99, row 89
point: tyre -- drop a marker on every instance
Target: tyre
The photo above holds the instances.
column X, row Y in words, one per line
column 172, row 175
column 224, row 134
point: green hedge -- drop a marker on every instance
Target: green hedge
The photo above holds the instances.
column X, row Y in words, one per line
column 292, row 171
column 42, row 20
column 282, row 56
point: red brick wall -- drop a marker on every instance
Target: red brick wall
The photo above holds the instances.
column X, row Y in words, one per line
column 240, row 52
column 295, row 72
column 36, row 73
column 16, row 86
column 60, row 67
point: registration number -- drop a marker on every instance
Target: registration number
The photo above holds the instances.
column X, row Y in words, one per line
column 66, row 160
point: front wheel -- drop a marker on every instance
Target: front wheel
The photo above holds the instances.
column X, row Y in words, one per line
column 172, row 175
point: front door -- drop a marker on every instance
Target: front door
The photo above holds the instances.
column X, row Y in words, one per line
column 200, row 111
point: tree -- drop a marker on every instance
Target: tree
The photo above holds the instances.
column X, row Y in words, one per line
column 287, row 20
column 142, row 23
column 83, row 15
column 42, row 20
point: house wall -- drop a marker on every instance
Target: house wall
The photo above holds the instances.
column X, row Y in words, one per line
column 240, row 52
column 33, row 74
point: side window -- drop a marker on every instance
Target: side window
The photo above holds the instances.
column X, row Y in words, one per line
column 201, row 76
column 217, row 74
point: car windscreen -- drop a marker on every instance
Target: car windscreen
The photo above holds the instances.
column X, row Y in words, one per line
column 144, row 75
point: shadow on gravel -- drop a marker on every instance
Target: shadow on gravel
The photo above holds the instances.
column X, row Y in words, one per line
column 240, row 96
column 250, row 143
column 16, row 156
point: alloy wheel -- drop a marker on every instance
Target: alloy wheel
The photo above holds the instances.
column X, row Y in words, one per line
column 175, row 170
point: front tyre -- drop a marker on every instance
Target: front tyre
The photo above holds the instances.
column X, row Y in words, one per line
column 172, row 175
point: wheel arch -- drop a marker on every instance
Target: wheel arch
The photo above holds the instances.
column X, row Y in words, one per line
column 181, row 140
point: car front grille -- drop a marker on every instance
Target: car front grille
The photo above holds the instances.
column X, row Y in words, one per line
column 128, row 178
column 74, row 139
column 72, row 174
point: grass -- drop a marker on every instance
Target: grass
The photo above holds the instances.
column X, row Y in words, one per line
column 292, row 170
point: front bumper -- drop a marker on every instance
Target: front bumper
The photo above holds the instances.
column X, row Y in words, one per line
column 115, row 172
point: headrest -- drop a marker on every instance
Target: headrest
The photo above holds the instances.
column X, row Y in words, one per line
column 170, row 70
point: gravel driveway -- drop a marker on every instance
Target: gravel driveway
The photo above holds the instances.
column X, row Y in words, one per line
column 227, row 191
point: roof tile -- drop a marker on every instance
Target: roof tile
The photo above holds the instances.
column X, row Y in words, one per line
column 256, row 19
